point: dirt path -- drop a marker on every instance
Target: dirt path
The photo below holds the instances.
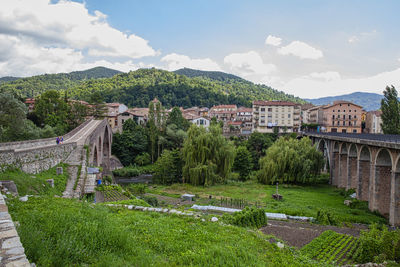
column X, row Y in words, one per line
column 298, row 234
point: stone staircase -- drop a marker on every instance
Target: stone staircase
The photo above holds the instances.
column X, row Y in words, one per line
column 74, row 160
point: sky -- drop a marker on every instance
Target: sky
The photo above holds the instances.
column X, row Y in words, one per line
column 308, row 48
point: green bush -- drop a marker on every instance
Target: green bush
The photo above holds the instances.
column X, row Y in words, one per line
column 153, row 201
column 143, row 159
column 137, row 189
column 325, row 217
column 378, row 245
column 248, row 217
column 133, row 171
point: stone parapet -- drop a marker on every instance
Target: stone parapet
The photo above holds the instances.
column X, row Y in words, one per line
column 12, row 252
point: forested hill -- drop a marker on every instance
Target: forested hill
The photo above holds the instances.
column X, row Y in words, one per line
column 369, row 101
column 8, row 79
column 138, row 88
column 35, row 85
column 213, row 75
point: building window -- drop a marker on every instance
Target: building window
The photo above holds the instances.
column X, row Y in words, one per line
column 288, row 116
column 355, row 116
column 116, row 122
column 354, row 131
column 344, row 110
column 338, row 110
column 340, row 104
column 355, row 110
column 333, row 117
column 333, row 110
column 262, row 121
column 338, row 116
column 348, row 105
column 269, row 109
column 262, row 109
column 344, row 123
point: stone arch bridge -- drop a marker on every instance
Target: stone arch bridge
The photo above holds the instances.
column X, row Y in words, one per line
column 368, row 163
column 87, row 145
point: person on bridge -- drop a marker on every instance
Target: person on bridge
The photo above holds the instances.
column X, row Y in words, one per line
column 61, row 140
column 58, row 140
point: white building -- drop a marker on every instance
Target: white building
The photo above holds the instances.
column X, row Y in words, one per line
column 201, row 121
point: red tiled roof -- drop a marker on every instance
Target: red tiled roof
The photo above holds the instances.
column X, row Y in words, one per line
column 243, row 109
column 224, row 106
column 234, row 122
column 273, row 103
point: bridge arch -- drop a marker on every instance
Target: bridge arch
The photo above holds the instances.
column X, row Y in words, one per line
column 395, row 195
column 382, row 184
column 95, row 156
column 352, row 166
column 335, row 166
column 343, row 170
column 364, row 173
column 106, row 144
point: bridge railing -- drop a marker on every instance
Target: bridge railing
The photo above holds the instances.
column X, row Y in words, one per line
column 40, row 142
column 388, row 138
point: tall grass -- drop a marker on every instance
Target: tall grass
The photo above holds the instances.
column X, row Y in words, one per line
column 62, row 232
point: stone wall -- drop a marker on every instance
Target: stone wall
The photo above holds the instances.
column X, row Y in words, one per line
column 353, row 177
column 35, row 160
column 12, row 252
column 364, row 179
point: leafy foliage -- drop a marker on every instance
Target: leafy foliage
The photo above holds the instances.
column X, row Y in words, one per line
column 248, row 217
column 390, row 107
column 130, row 143
column 208, row 156
column 168, row 168
column 378, row 245
column 290, row 160
column 257, row 144
column 243, row 163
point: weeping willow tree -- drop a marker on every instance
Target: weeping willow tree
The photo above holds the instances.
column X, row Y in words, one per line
column 208, row 156
column 290, row 160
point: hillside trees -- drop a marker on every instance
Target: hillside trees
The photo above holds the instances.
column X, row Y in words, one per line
column 208, row 156
column 290, row 160
column 390, row 107
column 130, row 143
column 12, row 117
column 99, row 108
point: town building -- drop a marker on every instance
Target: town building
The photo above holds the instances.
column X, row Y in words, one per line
column 373, row 122
column 278, row 115
column 342, row 116
column 30, row 102
column 113, row 111
column 201, row 121
column 223, row 113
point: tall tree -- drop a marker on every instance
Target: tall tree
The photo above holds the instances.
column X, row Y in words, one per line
column 175, row 117
column 12, row 117
column 99, row 108
column 208, row 156
column 243, row 163
column 51, row 109
column 390, row 111
column 131, row 143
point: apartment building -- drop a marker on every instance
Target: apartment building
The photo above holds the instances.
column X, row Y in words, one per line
column 223, row 112
column 342, row 116
column 270, row 114
column 373, row 122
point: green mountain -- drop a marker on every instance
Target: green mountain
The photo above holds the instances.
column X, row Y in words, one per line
column 369, row 101
column 138, row 88
column 35, row 85
column 8, row 79
column 213, row 75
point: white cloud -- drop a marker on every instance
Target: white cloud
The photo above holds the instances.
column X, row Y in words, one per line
column 38, row 36
column 273, row 40
column 362, row 36
column 175, row 61
column 325, row 76
column 314, row 87
column 301, row 50
column 248, row 63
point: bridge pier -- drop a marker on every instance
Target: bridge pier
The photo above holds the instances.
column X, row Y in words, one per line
column 368, row 163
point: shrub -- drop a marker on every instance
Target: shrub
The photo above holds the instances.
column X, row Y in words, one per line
column 168, row 168
column 325, row 217
column 143, row 159
column 248, row 217
column 137, row 189
column 130, row 171
column 153, row 201
column 378, row 245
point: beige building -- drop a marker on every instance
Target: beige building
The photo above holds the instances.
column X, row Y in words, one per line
column 223, row 112
column 373, row 122
column 270, row 114
column 342, row 116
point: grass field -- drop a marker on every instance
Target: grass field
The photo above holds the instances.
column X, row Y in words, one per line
column 297, row 200
column 63, row 232
column 35, row 184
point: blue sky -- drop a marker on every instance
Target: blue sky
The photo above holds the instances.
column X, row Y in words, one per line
column 306, row 48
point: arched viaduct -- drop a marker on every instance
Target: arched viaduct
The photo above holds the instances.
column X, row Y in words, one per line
column 33, row 156
column 367, row 163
